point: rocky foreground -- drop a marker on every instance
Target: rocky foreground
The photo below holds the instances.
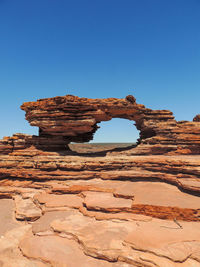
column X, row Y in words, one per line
column 116, row 207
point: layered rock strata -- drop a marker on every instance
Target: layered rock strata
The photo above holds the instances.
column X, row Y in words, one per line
column 75, row 119
column 133, row 206
column 181, row 171
column 62, row 120
column 93, row 223
column 22, row 141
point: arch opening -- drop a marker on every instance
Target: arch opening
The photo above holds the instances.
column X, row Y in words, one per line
column 114, row 135
column 117, row 130
column 117, row 134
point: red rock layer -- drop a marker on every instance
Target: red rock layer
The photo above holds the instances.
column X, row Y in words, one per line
column 183, row 171
column 22, row 141
column 119, row 208
column 75, row 119
column 66, row 119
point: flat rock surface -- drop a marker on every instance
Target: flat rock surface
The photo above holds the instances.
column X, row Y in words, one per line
column 58, row 251
column 51, row 200
column 95, row 206
column 106, row 201
column 169, row 195
column 116, row 210
column 7, row 220
column 167, row 239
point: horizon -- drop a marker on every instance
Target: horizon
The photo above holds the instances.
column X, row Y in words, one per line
column 149, row 49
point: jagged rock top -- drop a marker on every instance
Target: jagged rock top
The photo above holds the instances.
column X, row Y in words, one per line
column 65, row 119
column 76, row 118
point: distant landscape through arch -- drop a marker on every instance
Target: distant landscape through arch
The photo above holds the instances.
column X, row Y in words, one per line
column 116, row 131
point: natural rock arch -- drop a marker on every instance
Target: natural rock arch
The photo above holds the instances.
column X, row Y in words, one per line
column 66, row 119
column 72, row 119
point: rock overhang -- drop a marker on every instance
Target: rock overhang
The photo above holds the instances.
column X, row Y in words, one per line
column 73, row 119
column 65, row 119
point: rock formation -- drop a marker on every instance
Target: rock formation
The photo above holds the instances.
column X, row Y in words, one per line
column 62, row 120
column 72, row 119
column 138, row 206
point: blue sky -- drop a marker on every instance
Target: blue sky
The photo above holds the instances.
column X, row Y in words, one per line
column 99, row 49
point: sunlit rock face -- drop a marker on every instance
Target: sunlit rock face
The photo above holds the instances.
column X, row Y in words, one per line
column 120, row 207
column 62, row 120
column 66, row 119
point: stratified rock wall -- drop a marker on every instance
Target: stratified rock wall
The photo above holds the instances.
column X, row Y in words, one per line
column 73, row 119
column 118, row 207
column 22, row 141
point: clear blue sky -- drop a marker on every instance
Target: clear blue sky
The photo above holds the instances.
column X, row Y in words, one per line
column 99, row 49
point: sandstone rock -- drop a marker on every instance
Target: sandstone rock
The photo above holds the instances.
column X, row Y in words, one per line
column 75, row 119
column 197, row 118
column 105, row 240
column 44, row 222
column 53, row 201
column 106, row 202
column 7, row 221
column 66, row 119
column 57, row 251
column 101, row 208
column 10, row 254
column 123, row 216
column 26, row 209
column 166, row 240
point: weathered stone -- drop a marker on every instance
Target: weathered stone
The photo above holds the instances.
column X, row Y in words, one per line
column 166, row 239
column 197, row 118
column 76, row 120
column 26, row 209
column 58, row 251
column 53, row 201
column 7, row 221
column 100, row 208
column 111, row 240
column 106, row 202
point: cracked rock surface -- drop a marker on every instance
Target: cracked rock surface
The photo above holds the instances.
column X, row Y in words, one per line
column 69, row 205
column 97, row 222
